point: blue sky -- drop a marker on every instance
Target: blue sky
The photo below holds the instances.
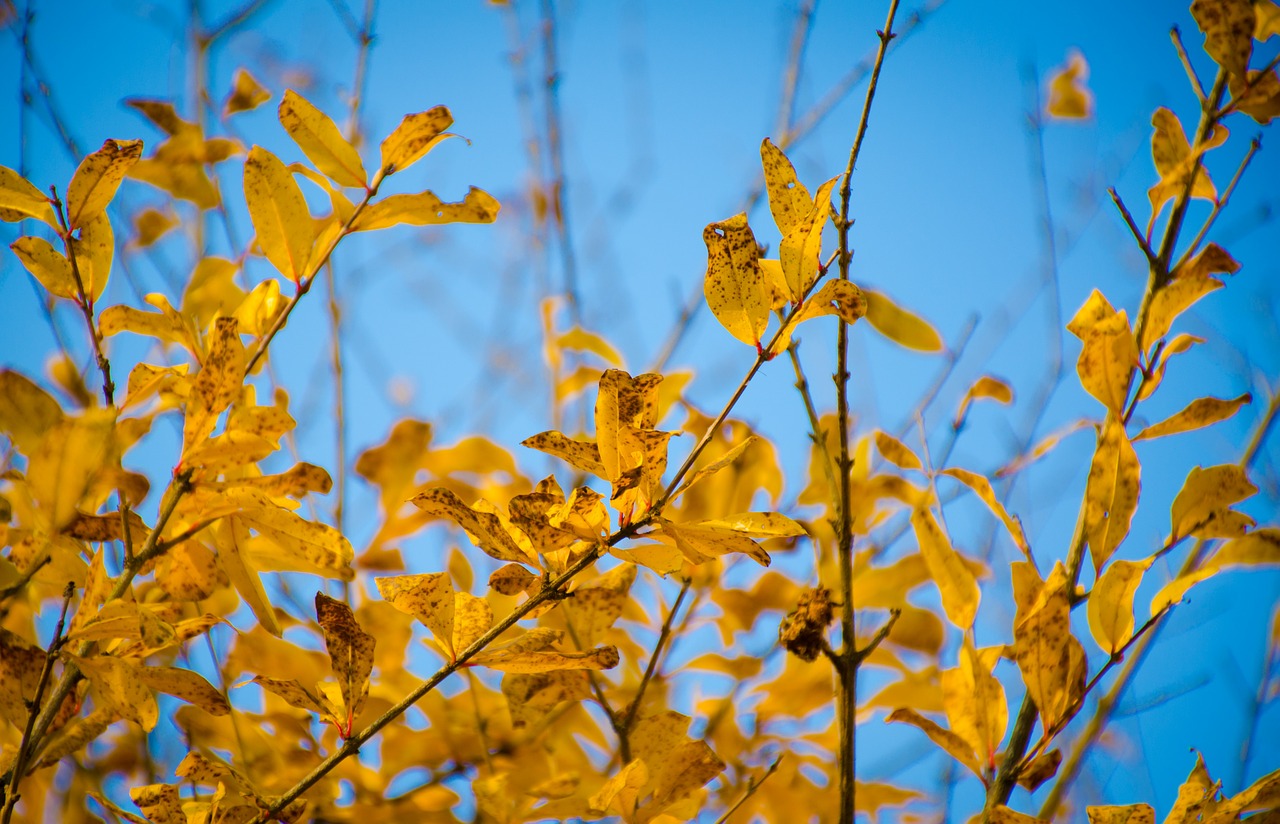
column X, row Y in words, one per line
column 664, row 106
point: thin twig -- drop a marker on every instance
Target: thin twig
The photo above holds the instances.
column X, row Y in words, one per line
column 752, row 786
column 848, row 672
column 555, row 156
column 1219, row 205
column 1152, row 258
column 1175, row 34
column 84, row 299
column 634, row 708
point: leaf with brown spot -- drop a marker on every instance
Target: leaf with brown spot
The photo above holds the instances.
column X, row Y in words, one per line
column 1041, row 638
column 1124, row 814
column 1111, row 492
column 217, row 383
column 800, row 252
column 472, row 618
column 94, row 249
column 47, row 265
column 975, row 703
column 97, row 178
column 189, row 686
column 581, row 455
column 1228, row 31
column 788, row 198
column 21, row 663
column 1107, row 359
column 484, row 529
column 1176, row 160
column 531, row 697
column 896, row 452
column 1259, row 548
column 99, row 528
column 322, row 143
column 350, row 651
column 119, row 685
column 427, row 597
column 279, row 213
column 160, row 803
column 1203, row 505
column 1197, row 415
column 416, row 135
column 734, row 285
column 426, row 209
column 20, row 199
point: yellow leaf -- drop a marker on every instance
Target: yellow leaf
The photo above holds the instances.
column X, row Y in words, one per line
column 160, row 803
column 800, row 253
column 899, row 325
column 896, row 452
column 1260, row 547
column 119, row 686
column 187, row 685
column 1268, row 19
column 279, row 213
column 1069, row 98
column 426, row 209
column 1198, row 414
column 26, row 411
column 620, row 794
column 663, row 560
column 1111, row 492
column 302, row 545
column 94, row 250
column 472, row 617
column 295, row 695
column 959, row 589
column 1095, row 309
column 1110, row 606
column 1107, row 359
column 1259, row 95
column 1176, row 346
column 217, row 383
column 212, row 291
column 230, row 537
column 150, row 225
column 19, row 199
column 975, row 703
column 623, row 401
column 1171, row 301
column 47, row 265
column 984, row 387
column 320, row 141
column 983, row 489
column 260, row 308
column 598, row 604
column 788, row 198
column 1042, row 639
column 485, row 529
column 734, row 284
column 677, row 764
column 350, row 652
column 67, row 462
column 246, row 94
column 756, row 524
column 1228, row 31
column 166, row 325
column 427, row 597
column 836, row 297
column 703, row 543
column 1176, row 162
column 581, row 455
column 1127, row 814
column 1000, row 814
column 227, row 451
column 530, row 661
column 97, row 178
column 957, row 747
column 416, row 135
column 1203, row 505
column 532, row 697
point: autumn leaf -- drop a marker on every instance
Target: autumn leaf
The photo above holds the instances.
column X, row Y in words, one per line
column 900, row 326
column 19, row 199
column 986, row 386
column 426, row 209
column 1045, row 648
column 975, row 703
column 279, row 213
column 320, row 141
column 788, row 198
column 427, row 597
column 1177, row 161
column 958, row 587
column 1202, row 508
column 1111, row 492
column 67, row 463
column 1110, row 607
column 187, row 685
column 47, row 265
column 350, row 652
column 1069, row 97
column 1190, row 282
column 1198, row 414
column 734, row 285
column 246, row 93
column 983, row 489
column 416, row 135
column 484, row 528
column 1107, row 357
column 533, row 652
column 119, row 685
column 951, row 743
column 97, row 178
column 1126, row 814
column 217, row 383
column 93, row 251
column 26, row 411
column 1259, row 548
column 896, row 452
column 1228, row 31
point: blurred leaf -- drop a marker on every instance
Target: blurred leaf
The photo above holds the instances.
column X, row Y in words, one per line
column 896, row 452
column 984, row 387
column 246, row 94
column 1228, row 31
column 1176, row 161
column 47, row 265
column 19, row 200
column 1110, row 607
column 1069, row 97
column 1261, row 547
column 899, row 325
column 958, row 587
column 1203, row 505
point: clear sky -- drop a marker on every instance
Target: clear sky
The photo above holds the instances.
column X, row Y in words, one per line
column 664, row 105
